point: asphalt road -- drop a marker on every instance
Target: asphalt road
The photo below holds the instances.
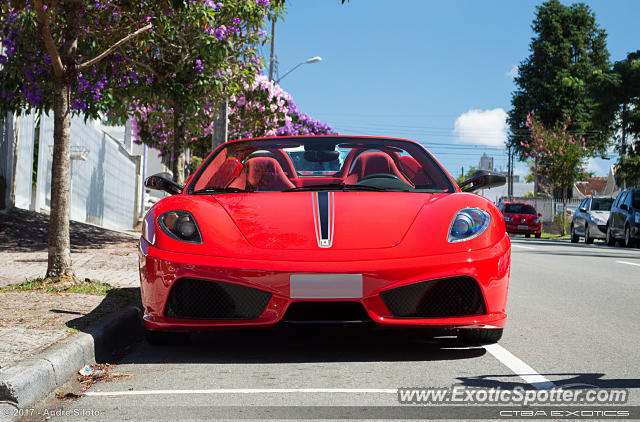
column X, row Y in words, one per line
column 573, row 319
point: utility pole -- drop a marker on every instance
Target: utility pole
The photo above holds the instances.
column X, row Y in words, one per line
column 509, row 175
column 273, row 41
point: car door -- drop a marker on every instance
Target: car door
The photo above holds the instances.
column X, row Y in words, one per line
column 579, row 217
column 617, row 215
column 626, row 211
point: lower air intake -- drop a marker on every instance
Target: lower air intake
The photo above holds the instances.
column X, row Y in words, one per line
column 447, row 297
column 207, row 299
column 326, row 312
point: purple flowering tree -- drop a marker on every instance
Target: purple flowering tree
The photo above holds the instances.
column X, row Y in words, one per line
column 193, row 58
column 264, row 109
column 559, row 155
column 54, row 60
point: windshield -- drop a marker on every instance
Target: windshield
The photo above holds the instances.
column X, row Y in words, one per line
column 601, row 204
column 321, row 163
column 519, row 209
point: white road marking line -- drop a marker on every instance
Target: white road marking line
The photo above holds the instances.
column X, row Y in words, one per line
column 628, row 263
column 521, row 369
column 513, row 245
column 245, row 391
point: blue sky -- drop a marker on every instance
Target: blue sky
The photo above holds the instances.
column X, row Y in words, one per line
column 438, row 72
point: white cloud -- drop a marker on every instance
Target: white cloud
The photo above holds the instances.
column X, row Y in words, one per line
column 513, row 72
column 482, row 127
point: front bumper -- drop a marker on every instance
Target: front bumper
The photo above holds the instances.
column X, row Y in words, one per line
column 160, row 269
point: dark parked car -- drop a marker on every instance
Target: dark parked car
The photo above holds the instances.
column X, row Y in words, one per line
column 522, row 218
column 590, row 219
column 624, row 219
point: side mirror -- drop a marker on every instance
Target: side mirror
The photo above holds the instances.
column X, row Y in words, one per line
column 539, row 214
column 163, row 182
column 583, row 209
column 483, row 179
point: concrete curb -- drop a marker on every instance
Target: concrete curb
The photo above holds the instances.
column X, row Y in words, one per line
column 26, row 383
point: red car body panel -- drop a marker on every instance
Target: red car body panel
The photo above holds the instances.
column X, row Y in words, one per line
column 261, row 239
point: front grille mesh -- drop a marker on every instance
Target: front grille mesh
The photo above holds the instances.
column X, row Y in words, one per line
column 208, row 299
column 326, row 311
column 447, row 297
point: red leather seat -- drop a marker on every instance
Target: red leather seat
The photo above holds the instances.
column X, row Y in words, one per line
column 414, row 171
column 262, row 174
column 371, row 163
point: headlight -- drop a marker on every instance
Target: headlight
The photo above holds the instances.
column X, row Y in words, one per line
column 537, row 220
column 180, row 225
column 467, row 224
column 637, row 217
column 507, row 218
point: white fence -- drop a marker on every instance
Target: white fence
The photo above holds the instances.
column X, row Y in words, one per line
column 105, row 178
column 547, row 206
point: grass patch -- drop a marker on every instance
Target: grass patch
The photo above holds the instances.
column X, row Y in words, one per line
column 546, row 235
column 65, row 284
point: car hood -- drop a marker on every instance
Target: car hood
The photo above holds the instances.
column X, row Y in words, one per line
column 289, row 220
column 603, row 215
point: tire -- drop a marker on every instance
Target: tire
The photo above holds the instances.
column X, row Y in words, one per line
column 479, row 335
column 165, row 338
column 538, row 235
column 628, row 241
column 527, row 235
column 587, row 238
column 610, row 239
column 574, row 237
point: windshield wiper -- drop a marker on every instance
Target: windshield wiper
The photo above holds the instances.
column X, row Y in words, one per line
column 330, row 186
column 340, row 186
column 219, row 190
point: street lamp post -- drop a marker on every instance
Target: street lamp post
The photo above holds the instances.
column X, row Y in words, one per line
column 308, row 61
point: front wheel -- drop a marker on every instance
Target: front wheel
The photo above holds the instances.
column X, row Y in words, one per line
column 538, row 235
column 610, row 239
column 587, row 237
column 628, row 242
column 479, row 335
column 527, row 235
column 574, row 236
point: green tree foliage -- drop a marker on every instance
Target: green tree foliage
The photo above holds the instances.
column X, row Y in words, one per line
column 618, row 94
column 462, row 177
column 568, row 53
column 560, row 156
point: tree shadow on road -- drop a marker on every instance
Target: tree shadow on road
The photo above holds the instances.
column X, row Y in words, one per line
column 564, row 380
column 311, row 344
column 113, row 333
column 28, row 231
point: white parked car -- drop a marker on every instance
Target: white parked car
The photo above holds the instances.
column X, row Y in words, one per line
column 590, row 219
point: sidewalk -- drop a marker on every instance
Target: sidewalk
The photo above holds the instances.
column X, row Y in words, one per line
column 32, row 321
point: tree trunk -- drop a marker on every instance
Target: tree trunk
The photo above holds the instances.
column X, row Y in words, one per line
column 178, row 161
column 59, row 262
column 564, row 211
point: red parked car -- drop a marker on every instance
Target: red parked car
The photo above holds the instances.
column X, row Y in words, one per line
column 380, row 234
column 521, row 218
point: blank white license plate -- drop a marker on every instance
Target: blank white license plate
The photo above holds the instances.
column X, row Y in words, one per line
column 325, row 286
column 523, row 227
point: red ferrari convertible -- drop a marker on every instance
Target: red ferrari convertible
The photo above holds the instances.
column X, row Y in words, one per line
column 324, row 229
